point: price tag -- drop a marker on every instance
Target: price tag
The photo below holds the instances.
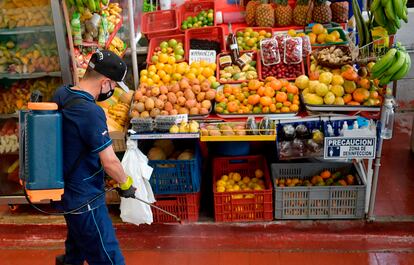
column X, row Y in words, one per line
column 202, row 55
column 350, row 147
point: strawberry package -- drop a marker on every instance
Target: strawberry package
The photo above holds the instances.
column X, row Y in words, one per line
column 293, row 50
column 270, row 51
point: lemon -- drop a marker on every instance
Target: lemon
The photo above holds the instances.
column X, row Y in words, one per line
column 163, row 58
column 262, row 32
column 201, row 78
column 190, row 76
column 151, row 74
column 255, row 180
column 152, row 68
column 150, row 82
column 225, row 178
column 155, row 78
column 246, row 180
column 177, row 76
column 160, row 66
column 236, row 188
column 195, row 65
column 221, row 189
column 220, row 183
column 203, row 63
column 144, row 72
column 144, row 79
column 291, row 32
column 212, row 79
column 168, row 69
column 166, row 79
column 171, row 60
column 213, row 66
column 230, row 182
column 207, row 72
column 161, row 73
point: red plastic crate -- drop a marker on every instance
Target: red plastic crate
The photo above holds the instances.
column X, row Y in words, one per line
column 206, row 33
column 259, row 69
column 159, row 23
column 185, row 206
column 155, row 42
column 255, row 57
column 227, row 208
column 192, row 8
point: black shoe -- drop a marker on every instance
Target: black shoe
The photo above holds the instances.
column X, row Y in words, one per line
column 60, row 260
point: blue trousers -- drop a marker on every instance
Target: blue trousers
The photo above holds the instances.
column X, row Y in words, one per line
column 91, row 238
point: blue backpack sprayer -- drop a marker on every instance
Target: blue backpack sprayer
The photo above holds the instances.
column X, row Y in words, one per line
column 41, row 156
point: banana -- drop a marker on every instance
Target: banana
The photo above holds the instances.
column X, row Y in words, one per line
column 391, row 28
column 397, row 64
column 375, row 5
column 97, row 5
column 389, row 11
column 359, row 23
column 398, row 8
column 404, row 69
column 405, row 14
column 385, row 80
column 380, row 17
column 91, row 6
column 384, row 63
column 384, row 2
column 105, row 2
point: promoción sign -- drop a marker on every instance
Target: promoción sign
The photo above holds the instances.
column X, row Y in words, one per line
column 202, row 55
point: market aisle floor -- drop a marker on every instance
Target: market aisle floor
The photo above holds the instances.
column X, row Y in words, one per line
column 39, row 257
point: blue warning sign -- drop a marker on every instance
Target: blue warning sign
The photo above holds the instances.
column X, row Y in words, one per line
column 349, row 147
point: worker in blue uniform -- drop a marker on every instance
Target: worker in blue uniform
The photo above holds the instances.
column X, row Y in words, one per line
column 87, row 154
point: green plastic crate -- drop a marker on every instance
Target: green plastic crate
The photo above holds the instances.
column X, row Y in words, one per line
column 317, row 202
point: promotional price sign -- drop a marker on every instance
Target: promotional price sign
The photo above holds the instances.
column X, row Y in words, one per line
column 202, row 55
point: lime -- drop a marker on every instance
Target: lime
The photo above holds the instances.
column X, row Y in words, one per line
column 154, row 59
column 189, row 26
column 195, row 19
column 164, row 44
column 189, row 19
column 210, row 10
column 239, row 34
column 164, row 50
column 184, row 27
column 172, row 43
column 179, row 50
column 178, row 57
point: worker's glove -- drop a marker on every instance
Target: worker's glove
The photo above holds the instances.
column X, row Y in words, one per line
column 126, row 189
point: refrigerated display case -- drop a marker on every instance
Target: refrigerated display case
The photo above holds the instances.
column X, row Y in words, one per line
column 33, row 56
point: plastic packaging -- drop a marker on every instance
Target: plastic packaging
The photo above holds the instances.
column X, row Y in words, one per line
column 76, row 29
column 269, row 51
column 165, row 4
column 281, row 43
column 293, row 50
column 306, row 46
column 103, row 31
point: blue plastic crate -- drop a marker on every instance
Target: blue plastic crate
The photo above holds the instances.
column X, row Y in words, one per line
column 176, row 176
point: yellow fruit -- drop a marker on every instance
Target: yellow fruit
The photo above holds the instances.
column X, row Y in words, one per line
column 317, row 29
column 321, row 89
column 161, row 73
column 144, row 79
column 160, row 66
column 168, row 69
column 262, row 32
column 177, row 76
column 225, row 178
column 326, row 78
column 163, row 58
column 329, row 98
column 212, row 79
column 330, row 38
column 221, row 189
column 207, row 72
column 236, row 177
column 171, row 60
column 195, row 65
column 321, row 38
column 213, row 66
column 338, row 90
column 246, row 180
column 337, row 80
column 302, row 34
column 152, row 68
column 155, row 78
column 166, row 79
column 203, row 63
column 291, row 32
column 236, row 188
column 190, row 76
column 201, row 78
column 230, row 182
column 220, row 183
column 143, row 72
column 150, row 82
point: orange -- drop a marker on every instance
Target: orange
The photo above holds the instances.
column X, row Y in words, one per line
column 254, row 84
column 163, row 58
column 347, row 98
column 360, row 95
column 318, row 29
column 321, row 38
column 265, row 101
column 281, row 97
column 276, row 84
column 326, row 174
column 285, row 109
column 330, row 38
column 253, row 99
column 312, row 37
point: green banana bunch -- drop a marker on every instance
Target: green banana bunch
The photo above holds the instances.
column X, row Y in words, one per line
column 394, row 65
column 388, row 13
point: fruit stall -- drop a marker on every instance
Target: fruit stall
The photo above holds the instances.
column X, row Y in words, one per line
column 246, row 110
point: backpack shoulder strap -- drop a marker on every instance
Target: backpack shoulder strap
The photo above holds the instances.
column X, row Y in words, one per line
column 71, row 103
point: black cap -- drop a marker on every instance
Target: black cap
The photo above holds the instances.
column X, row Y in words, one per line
column 110, row 65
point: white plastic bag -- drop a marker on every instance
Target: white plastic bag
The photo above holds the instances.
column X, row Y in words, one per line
column 135, row 164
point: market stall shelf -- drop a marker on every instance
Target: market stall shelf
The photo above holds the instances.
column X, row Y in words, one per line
column 26, row 30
